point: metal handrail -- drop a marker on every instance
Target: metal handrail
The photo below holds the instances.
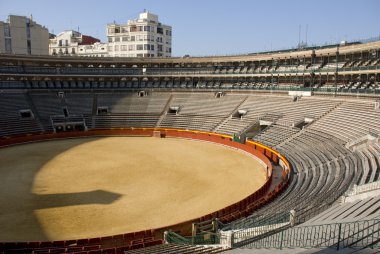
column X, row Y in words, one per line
column 356, row 234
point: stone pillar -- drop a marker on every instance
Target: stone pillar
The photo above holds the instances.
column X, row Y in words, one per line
column 292, row 217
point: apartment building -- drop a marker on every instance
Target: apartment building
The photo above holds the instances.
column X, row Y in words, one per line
column 142, row 37
column 22, row 35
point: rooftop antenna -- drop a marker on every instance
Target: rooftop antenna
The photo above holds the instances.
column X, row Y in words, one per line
column 307, row 26
column 78, row 29
column 299, row 36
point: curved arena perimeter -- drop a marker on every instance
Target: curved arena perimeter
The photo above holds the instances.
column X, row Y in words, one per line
column 312, row 116
column 87, row 187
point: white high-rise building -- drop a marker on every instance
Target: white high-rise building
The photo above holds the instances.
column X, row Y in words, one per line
column 143, row 37
column 21, row 35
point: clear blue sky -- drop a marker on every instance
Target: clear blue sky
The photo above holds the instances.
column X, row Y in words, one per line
column 215, row 27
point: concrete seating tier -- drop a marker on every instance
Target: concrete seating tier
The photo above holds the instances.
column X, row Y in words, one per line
column 11, row 122
column 206, row 104
column 360, row 209
column 131, row 103
column 124, row 120
column 323, row 171
column 190, row 122
column 275, row 134
column 350, row 121
column 175, row 249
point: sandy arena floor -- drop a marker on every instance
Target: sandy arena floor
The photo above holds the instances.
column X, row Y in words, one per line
column 89, row 187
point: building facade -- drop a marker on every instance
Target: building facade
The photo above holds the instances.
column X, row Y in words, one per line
column 22, row 35
column 143, row 37
column 71, row 42
column 98, row 49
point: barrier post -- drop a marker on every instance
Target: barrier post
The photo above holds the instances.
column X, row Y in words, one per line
column 339, row 232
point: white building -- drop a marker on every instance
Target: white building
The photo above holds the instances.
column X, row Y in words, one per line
column 21, row 35
column 71, row 43
column 98, row 49
column 143, row 37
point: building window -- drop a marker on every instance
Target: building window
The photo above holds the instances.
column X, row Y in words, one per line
column 147, row 28
column 159, row 48
column 140, row 28
column 146, row 46
column 60, row 43
column 125, row 38
column 7, row 30
column 72, row 50
column 151, row 47
column 117, row 39
column 139, row 47
column 160, row 30
column 132, row 38
column 110, row 48
column 139, row 55
column 146, row 37
column 109, row 39
column 117, row 48
column 123, row 48
column 28, row 29
column 29, row 46
column 8, row 45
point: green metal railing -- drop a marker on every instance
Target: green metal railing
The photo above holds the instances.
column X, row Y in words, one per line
column 359, row 234
column 202, row 239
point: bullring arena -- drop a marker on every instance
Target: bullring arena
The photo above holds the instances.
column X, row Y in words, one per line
column 113, row 185
column 238, row 154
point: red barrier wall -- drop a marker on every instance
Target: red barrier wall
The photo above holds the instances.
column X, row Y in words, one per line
column 238, row 210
